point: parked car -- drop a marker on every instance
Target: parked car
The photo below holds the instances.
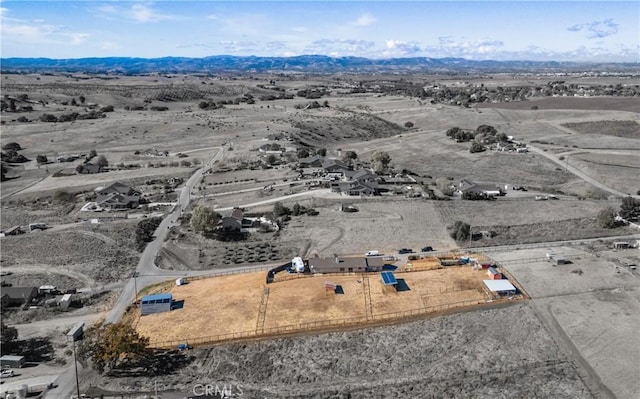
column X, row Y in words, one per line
column 405, row 251
column 427, row 249
column 6, row 373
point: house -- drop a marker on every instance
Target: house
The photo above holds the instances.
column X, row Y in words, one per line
column 335, row 166
column 156, row 303
column 18, row 296
column 118, row 196
column 346, row 265
column 311, row 162
column 356, row 188
column 362, row 175
column 468, row 186
column 233, row 222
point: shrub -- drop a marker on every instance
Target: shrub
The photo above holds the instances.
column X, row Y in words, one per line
column 48, row 118
column 12, row 146
column 41, row 159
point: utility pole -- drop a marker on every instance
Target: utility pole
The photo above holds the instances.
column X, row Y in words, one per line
column 75, row 364
column 135, row 287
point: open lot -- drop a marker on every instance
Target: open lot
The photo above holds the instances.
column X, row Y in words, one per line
column 591, row 305
column 232, row 304
column 471, row 354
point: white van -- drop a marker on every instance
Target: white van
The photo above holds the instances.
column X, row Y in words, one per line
column 372, row 253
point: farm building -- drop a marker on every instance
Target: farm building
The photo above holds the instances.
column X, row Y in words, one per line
column 346, row 265
column 14, row 362
column 157, row 303
column 17, row 296
column 494, row 274
column 500, row 287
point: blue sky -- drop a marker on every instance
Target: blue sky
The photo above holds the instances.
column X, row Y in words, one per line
column 498, row 30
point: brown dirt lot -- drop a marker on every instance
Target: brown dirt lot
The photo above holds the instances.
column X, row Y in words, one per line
column 230, row 304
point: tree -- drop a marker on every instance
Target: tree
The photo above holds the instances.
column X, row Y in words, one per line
column 12, row 146
column 607, row 218
column 297, row 209
column 82, row 99
column 41, row 159
column 93, row 153
column 204, row 220
column 476, row 147
column 145, row 230
column 280, row 210
column 8, row 335
column 629, row 208
column 322, row 152
column 486, row 129
column 271, row 159
column 112, row 345
column 408, row 125
column 74, row 102
column 48, row 118
column 349, row 156
column 303, row 153
column 380, row 160
column 460, row 231
column 102, row 161
column 63, row 197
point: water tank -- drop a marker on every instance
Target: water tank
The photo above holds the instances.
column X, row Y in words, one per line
column 21, row 393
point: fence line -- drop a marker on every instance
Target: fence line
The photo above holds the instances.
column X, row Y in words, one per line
column 360, row 321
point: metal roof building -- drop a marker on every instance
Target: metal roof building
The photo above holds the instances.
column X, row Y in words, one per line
column 500, row 287
column 156, row 303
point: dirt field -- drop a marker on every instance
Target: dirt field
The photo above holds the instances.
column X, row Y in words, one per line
column 592, row 305
column 473, row 354
column 232, row 303
column 612, row 103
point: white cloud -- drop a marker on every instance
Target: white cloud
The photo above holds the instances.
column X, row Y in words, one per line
column 471, row 49
column 78, row 38
column 596, row 29
column 338, row 48
column 142, row 13
column 365, row 20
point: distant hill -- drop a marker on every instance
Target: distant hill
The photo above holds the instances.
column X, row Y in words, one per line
column 303, row 63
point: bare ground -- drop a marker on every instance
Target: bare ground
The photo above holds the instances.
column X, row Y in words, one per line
column 477, row 354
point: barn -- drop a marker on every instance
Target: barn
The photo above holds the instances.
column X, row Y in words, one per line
column 494, row 274
column 157, row 303
column 13, row 362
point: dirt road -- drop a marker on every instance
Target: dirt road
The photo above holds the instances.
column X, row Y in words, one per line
column 578, row 172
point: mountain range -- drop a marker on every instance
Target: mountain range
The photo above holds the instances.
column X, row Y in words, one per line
column 303, row 63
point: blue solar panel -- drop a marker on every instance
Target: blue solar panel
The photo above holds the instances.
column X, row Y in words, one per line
column 388, row 278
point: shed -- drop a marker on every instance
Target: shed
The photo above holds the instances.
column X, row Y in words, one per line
column 621, row 245
column 494, row 273
column 500, row 287
column 557, row 259
column 76, row 332
column 65, row 301
column 14, row 362
column 156, row 303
